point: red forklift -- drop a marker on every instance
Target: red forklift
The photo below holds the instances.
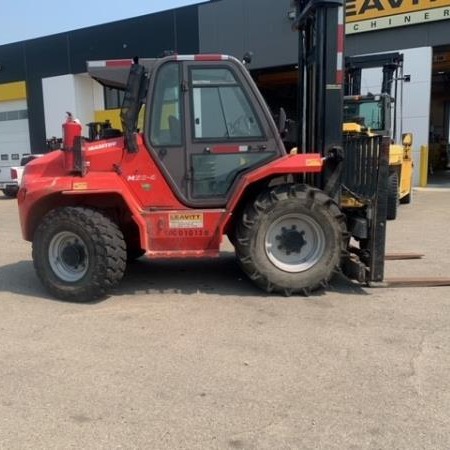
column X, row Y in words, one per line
column 208, row 163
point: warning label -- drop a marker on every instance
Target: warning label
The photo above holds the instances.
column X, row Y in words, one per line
column 185, row 220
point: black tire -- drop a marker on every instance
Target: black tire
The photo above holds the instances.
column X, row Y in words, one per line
column 298, row 264
column 78, row 253
column 392, row 198
column 11, row 191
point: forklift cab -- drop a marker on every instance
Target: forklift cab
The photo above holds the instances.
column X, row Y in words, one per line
column 205, row 122
column 372, row 112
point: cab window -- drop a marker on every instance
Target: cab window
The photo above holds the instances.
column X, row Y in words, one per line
column 221, row 109
column 166, row 118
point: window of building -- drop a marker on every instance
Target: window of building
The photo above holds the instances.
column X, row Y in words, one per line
column 13, row 115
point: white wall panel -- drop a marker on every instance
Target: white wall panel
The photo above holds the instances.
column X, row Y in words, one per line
column 14, row 134
column 78, row 94
column 59, row 97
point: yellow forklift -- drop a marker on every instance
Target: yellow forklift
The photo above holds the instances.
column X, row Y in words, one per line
column 377, row 114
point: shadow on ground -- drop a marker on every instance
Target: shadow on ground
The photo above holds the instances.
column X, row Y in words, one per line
column 220, row 276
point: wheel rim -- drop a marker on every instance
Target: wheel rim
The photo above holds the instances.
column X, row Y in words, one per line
column 68, row 256
column 294, row 242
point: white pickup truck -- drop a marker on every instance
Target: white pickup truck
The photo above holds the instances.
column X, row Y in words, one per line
column 16, row 173
column 8, row 185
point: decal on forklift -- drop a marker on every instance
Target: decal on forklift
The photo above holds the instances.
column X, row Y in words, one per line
column 80, row 186
column 185, row 220
column 187, row 233
column 142, row 177
column 101, row 146
column 316, row 162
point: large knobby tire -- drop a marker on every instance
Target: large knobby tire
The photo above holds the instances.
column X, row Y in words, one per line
column 393, row 197
column 78, row 253
column 291, row 239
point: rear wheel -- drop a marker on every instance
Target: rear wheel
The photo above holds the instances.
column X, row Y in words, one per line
column 392, row 199
column 290, row 240
column 78, row 253
column 11, row 191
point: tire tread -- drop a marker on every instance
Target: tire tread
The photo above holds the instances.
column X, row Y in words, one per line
column 109, row 245
column 308, row 197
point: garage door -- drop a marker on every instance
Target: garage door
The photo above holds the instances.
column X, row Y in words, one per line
column 14, row 134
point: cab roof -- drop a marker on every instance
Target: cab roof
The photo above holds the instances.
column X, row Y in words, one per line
column 113, row 73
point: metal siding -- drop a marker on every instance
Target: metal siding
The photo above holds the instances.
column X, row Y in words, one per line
column 259, row 26
column 12, row 63
column 46, row 56
column 187, row 30
column 67, row 53
column 146, row 36
column 35, row 100
column 262, row 26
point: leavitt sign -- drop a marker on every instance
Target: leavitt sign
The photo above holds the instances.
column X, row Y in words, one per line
column 372, row 15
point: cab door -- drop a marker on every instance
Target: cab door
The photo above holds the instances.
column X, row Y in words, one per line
column 206, row 126
column 165, row 128
column 226, row 129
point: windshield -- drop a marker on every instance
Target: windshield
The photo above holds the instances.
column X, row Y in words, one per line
column 368, row 113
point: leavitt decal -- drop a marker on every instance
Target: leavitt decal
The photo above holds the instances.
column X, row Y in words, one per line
column 371, row 15
column 186, row 220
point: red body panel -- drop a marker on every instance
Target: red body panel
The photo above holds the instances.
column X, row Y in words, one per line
column 166, row 226
column 289, row 164
column 184, row 233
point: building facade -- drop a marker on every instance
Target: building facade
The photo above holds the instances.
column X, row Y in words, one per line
column 41, row 79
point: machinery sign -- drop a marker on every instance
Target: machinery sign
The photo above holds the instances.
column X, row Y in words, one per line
column 186, row 220
column 372, row 15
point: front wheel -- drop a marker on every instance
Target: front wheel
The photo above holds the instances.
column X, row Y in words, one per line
column 78, row 253
column 291, row 239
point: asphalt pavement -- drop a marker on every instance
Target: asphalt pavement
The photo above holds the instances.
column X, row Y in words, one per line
column 190, row 355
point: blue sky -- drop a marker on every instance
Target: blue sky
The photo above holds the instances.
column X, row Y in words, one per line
column 27, row 19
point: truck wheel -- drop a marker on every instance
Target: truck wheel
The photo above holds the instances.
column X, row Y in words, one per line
column 291, row 239
column 392, row 199
column 11, row 192
column 78, row 253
